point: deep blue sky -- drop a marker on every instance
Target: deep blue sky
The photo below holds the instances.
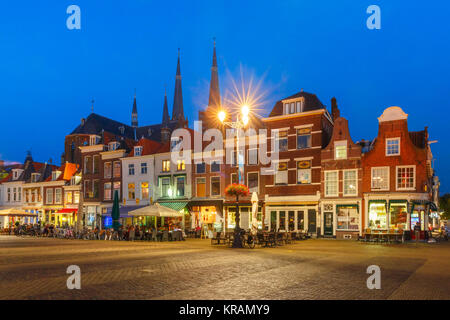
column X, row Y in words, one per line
column 49, row 74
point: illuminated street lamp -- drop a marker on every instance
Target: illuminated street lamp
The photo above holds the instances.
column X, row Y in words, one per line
column 238, row 124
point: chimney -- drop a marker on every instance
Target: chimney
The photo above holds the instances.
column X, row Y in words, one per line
column 83, row 120
column 63, row 158
column 335, row 113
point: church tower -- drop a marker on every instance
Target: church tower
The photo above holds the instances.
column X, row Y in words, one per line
column 134, row 116
column 165, row 130
column 209, row 116
column 177, row 111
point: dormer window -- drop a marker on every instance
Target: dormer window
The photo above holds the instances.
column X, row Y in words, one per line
column 175, row 142
column 73, row 181
column 122, row 130
column 113, row 146
column 292, row 107
column 93, row 140
column 16, row 173
column 35, row 177
column 150, row 132
column 55, row 175
column 137, row 151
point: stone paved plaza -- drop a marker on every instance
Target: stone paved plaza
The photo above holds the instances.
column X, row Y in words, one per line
column 35, row 268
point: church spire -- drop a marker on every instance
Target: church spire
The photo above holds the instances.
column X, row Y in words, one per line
column 214, row 91
column 177, row 112
column 166, row 117
column 134, row 115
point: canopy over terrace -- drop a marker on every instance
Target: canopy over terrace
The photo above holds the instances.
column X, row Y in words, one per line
column 167, row 215
column 156, row 210
column 11, row 215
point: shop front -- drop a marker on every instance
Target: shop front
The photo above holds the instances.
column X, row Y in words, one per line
column 66, row 216
column 245, row 215
column 341, row 219
column 206, row 215
column 397, row 214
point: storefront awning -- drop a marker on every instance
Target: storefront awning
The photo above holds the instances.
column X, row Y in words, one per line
column 67, row 210
column 175, row 205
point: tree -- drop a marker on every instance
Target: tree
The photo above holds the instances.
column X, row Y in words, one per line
column 444, row 205
column 237, row 190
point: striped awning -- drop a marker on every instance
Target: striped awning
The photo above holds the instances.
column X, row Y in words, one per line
column 175, row 205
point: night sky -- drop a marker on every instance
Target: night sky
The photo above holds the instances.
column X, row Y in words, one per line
column 49, row 74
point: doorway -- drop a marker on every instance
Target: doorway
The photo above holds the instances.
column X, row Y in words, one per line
column 328, row 223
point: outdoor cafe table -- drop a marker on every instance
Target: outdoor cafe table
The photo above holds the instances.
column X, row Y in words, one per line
column 387, row 235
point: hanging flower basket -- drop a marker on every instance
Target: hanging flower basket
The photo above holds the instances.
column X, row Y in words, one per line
column 236, row 189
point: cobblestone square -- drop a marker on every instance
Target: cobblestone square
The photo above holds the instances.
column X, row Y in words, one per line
column 35, row 268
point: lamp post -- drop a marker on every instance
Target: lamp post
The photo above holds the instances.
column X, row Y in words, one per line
column 238, row 124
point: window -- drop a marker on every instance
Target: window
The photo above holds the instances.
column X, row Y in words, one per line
column 215, row 166
column 300, row 106
column 96, row 188
column 165, row 187
column 49, row 195
column 253, row 181
column 398, row 215
column 144, row 168
column 350, row 182
column 405, row 177
column 131, row 191
column 201, row 187
column 380, row 178
column 201, row 167
column 304, row 172
column 377, row 215
column 107, row 191
column 107, row 169
column 281, row 174
column 96, row 164
column 35, row 177
column 331, row 184
column 87, row 164
column 252, row 156
column 15, row 194
column 181, row 166
column 55, row 175
column 144, row 190
column 76, row 197
column 340, row 150
column 180, row 186
column 137, row 151
column 58, row 195
column 131, row 169
column 234, row 161
column 282, row 140
column 304, row 138
column 87, row 189
column 282, row 220
column 166, row 165
column 215, row 186
column 73, row 180
column 117, row 169
column 113, row 146
column 69, row 196
column 116, row 187
column 300, row 220
column 9, row 194
column 393, row 147
column 347, row 218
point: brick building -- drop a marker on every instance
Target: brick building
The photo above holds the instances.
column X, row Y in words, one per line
column 341, row 182
column 300, row 126
column 397, row 175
